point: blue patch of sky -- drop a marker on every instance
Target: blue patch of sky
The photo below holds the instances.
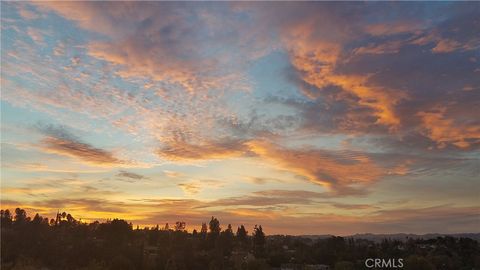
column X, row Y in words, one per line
column 267, row 76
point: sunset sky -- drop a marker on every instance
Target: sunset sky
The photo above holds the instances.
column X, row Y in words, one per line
column 307, row 118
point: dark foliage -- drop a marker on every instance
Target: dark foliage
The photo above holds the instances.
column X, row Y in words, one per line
column 65, row 243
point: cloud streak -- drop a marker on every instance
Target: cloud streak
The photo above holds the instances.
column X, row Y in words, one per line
column 340, row 171
column 131, row 175
column 59, row 141
column 183, row 151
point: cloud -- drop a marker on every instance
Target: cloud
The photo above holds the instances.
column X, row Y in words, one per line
column 268, row 198
column 172, row 174
column 394, row 28
column 427, row 219
column 316, row 45
column 445, row 104
column 444, row 130
column 344, row 172
column 348, row 206
column 26, row 13
column 36, row 35
column 446, row 45
column 26, row 157
column 27, row 166
column 190, row 188
column 131, row 175
column 335, row 113
column 290, row 193
column 61, row 142
column 81, row 76
column 194, row 187
column 85, row 204
column 261, row 180
column 387, row 47
column 153, row 40
column 448, row 38
column 79, row 150
column 355, row 79
column 282, row 200
column 340, row 171
column 29, row 191
column 182, row 151
column 352, row 75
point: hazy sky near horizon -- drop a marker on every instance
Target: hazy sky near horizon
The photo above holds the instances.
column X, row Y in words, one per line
column 307, row 118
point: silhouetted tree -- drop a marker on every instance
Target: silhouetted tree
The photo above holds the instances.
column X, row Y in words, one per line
column 213, row 233
column 214, row 227
column 20, row 216
column 204, row 230
column 6, row 218
column 226, row 241
column 180, row 226
column 258, row 242
column 242, row 236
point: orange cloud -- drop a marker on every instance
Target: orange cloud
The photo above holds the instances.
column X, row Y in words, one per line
column 194, row 187
column 180, row 150
column 449, row 45
column 190, row 188
column 316, row 60
column 90, row 15
column 26, row 13
column 82, row 151
column 131, row 176
column 339, row 171
column 134, row 60
column 165, row 48
column 387, row 47
column 444, row 130
column 28, row 191
column 397, row 27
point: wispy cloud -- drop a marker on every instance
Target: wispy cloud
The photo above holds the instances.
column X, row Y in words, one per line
column 443, row 130
column 131, row 175
column 61, row 142
column 138, row 53
column 194, row 187
column 79, row 150
column 183, row 151
column 341, row 171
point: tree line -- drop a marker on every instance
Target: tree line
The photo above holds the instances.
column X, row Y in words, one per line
column 66, row 243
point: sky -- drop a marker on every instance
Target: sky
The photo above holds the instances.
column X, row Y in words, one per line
column 304, row 117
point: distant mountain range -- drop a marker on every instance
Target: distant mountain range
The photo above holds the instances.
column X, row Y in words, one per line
column 398, row 236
